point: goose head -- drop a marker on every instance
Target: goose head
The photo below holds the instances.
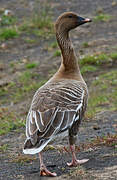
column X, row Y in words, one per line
column 68, row 21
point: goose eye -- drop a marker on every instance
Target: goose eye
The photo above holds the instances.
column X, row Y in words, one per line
column 70, row 16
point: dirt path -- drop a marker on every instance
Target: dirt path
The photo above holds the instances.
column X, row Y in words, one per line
column 102, row 153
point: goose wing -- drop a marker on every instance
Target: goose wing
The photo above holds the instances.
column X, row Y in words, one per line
column 54, row 108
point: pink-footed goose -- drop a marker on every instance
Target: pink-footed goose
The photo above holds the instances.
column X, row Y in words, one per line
column 59, row 105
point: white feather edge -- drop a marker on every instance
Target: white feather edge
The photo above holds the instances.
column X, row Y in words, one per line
column 35, row 150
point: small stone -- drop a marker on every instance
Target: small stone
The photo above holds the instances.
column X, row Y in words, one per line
column 89, row 150
column 2, row 10
column 4, row 46
column 114, row 3
column 24, row 60
column 100, row 10
column 96, row 78
column 8, row 12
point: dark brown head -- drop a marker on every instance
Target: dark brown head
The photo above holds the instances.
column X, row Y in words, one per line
column 68, row 21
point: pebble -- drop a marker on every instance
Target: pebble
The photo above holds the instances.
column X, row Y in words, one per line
column 4, row 46
column 8, row 12
column 114, row 3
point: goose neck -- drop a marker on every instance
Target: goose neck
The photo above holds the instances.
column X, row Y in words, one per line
column 69, row 60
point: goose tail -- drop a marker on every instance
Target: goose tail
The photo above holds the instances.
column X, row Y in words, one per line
column 29, row 148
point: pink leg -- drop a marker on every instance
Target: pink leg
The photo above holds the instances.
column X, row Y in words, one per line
column 43, row 170
column 75, row 161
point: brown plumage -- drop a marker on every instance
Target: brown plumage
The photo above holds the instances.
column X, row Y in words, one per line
column 60, row 104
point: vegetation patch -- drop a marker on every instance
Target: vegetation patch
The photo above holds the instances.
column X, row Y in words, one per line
column 54, row 44
column 40, row 24
column 57, row 53
column 52, row 72
column 8, row 33
column 31, row 65
column 88, row 68
column 78, row 172
column 9, row 121
column 108, row 140
column 23, row 159
column 85, row 44
column 97, row 102
column 102, row 17
column 113, row 56
column 8, row 20
column 5, row 91
column 103, row 93
column 26, row 83
column 96, row 59
column 3, row 148
column 30, row 41
column 49, row 147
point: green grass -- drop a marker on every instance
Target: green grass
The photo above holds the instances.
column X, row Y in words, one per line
column 31, row 65
column 21, row 158
column 54, row 44
column 51, row 46
column 30, row 41
column 26, row 90
column 85, row 44
column 40, row 24
column 110, row 77
column 25, row 77
column 28, row 82
column 43, row 28
column 42, row 21
column 8, row 33
column 25, row 27
column 95, row 59
column 52, row 72
column 57, row 53
column 103, row 93
column 8, row 20
column 97, row 102
column 113, row 55
column 40, row 33
column 102, row 17
column 9, row 121
column 88, row 68
column 4, row 89
column 3, row 148
column 24, row 86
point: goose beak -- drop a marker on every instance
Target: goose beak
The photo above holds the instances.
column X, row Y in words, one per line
column 87, row 20
column 82, row 20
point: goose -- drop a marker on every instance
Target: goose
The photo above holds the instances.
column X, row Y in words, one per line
column 59, row 105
